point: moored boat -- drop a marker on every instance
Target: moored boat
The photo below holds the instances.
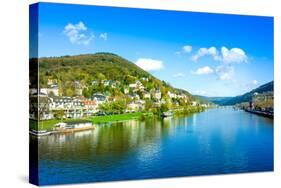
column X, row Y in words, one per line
column 39, row 133
column 166, row 114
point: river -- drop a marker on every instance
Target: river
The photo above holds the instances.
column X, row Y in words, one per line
column 217, row 141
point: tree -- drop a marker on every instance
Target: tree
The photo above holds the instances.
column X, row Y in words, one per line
column 69, row 92
column 86, row 93
column 119, row 106
column 129, row 79
column 101, row 76
column 59, row 114
column 148, row 105
column 164, row 108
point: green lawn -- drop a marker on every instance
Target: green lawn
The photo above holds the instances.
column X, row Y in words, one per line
column 117, row 117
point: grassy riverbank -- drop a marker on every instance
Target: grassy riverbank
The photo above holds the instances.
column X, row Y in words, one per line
column 49, row 124
column 119, row 117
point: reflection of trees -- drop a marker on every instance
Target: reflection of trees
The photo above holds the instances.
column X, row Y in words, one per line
column 107, row 143
column 114, row 139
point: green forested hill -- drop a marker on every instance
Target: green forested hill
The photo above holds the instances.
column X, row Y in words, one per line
column 241, row 98
column 112, row 66
column 100, row 66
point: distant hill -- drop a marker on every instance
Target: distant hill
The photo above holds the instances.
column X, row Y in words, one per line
column 215, row 100
column 88, row 67
column 241, row 98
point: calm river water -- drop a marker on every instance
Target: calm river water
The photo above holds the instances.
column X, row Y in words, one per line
column 216, row 141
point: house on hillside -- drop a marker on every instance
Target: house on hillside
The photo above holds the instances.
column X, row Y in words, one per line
column 95, row 83
column 134, row 96
column 126, row 90
column 146, row 95
column 90, row 107
column 78, row 88
column 144, row 79
column 194, row 103
column 157, row 94
column 52, row 82
column 99, row 98
column 72, row 107
column 172, row 95
column 135, row 106
column 137, row 86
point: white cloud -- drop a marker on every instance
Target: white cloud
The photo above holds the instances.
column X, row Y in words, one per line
column 225, row 72
column 187, row 48
column 234, row 55
column 179, row 75
column 103, row 36
column 204, row 70
column 212, row 51
column 149, row 64
column 77, row 33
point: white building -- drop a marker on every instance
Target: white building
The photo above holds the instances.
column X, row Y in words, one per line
column 134, row 96
column 146, row 95
column 135, row 106
column 99, row 98
column 194, row 103
column 137, row 86
column 172, row 95
column 157, row 94
column 126, row 90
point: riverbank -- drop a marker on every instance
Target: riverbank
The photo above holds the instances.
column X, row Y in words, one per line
column 50, row 124
column 119, row 117
column 260, row 113
column 189, row 110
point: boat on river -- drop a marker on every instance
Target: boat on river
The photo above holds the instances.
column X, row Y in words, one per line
column 167, row 114
column 39, row 133
column 70, row 127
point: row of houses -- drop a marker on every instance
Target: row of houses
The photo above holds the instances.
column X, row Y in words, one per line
column 46, row 107
column 52, row 89
column 79, row 106
column 262, row 101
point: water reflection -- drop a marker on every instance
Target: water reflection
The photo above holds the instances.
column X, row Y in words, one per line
column 215, row 141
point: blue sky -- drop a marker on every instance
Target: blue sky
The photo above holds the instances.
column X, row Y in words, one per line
column 206, row 54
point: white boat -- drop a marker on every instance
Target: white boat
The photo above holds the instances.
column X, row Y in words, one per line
column 167, row 114
column 39, row 133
